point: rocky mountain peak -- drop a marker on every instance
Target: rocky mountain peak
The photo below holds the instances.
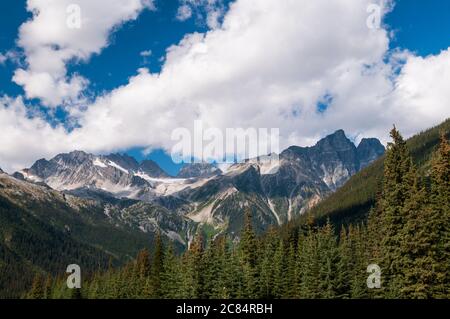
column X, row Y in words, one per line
column 337, row 141
column 198, row 170
column 152, row 169
column 368, row 150
column 124, row 160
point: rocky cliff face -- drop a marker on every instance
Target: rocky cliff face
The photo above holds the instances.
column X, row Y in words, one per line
column 274, row 192
column 198, row 170
column 368, row 151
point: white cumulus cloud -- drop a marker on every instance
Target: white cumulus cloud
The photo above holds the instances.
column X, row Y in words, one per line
column 62, row 31
column 266, row 66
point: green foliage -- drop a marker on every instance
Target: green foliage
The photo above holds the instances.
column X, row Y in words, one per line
column 353, row 201
column 406, row 233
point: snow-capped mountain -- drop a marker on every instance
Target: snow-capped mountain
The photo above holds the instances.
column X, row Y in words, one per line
column 275, row 191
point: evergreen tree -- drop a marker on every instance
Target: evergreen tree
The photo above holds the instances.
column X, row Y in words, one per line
column 397, row 184
column 309, row 265
column 193, row 265
column 279, row 271
column 291, row 276
column 248, row 257
column 328, row 256
column 418, row 238
column 171, row 276
column 157, row 267
column 345, row 266
column 143, row 267
column 440, row 208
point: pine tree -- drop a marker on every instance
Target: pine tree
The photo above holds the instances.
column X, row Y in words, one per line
column 143, row 267
column 222, row 282
column 193, row 265
column 157, row 267
column 396, row 188
column 291, row 281
column 171, row 276
column 328, row 261
column 360, row 257
column 345, row 266
column 309, row 265
column 266, row 268
column 418, row 238
column 279, row 271
column 440, row 208
column 210, row 270
column 369, row 253
column 248, row 256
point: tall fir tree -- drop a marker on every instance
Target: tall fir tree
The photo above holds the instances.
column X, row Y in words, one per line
column 248, row 256
column 440, row 206
column 328, row 256
column 157, row 267
column 419, row 238
column 397, row 184
column 171, row 277
column 193, row 267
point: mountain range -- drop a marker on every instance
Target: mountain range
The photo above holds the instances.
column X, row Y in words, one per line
column 87, row 209
column 81, row 222
column 203, row 194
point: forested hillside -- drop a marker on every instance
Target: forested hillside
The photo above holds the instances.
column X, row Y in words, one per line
column 352, row 202
column 406, row 237
column 42, row 231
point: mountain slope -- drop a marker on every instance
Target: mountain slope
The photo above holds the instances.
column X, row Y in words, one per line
column 198, row 170
column 354, row 199
column 44, row 230
column 274, row 189
column 275, row 193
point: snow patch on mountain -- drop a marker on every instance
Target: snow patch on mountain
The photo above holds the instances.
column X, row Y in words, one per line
column 30, row 177
column 111, row 163
column 99, row 163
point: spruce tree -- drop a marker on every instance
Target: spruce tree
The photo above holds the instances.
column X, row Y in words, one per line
column 345, row 266
column 328, row 255
column 279, row 271
column 419, row 237
column 397, row 184
column 291, row 280
column 248, row 256
column 360, row 258
column 308, row 262
column 193, row 265
column 157, row 267
column 266, row 268
column 171, row 287
column 440, row 208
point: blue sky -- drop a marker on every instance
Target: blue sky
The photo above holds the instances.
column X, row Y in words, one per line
column 422, row 27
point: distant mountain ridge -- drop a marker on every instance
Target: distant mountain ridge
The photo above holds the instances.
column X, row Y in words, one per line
column 275, row 192
column 353, row 201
